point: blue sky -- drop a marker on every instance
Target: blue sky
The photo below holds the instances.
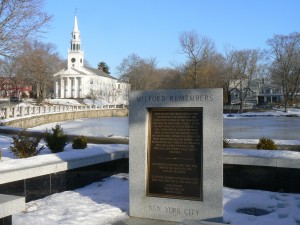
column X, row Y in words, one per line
column 111, row 30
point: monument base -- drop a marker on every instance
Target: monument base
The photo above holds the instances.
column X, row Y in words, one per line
column 141, row 221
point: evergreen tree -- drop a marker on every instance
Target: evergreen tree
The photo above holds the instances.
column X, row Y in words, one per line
column 103, row 67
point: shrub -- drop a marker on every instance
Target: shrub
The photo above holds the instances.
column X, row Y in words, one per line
column 57, row 139
column 25, row 146
column 267, row 144
column 79, row 142
column 225, row 143
column 24, row 95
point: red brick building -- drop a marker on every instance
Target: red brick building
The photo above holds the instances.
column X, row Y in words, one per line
column 14, row 87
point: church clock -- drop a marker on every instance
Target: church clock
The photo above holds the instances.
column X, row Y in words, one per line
column 73, row 60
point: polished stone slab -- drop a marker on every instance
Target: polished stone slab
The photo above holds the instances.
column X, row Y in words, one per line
column 249, row 160
column 10, row 204
column 6, row 220
column 38, row 187
column 60, row 164
column 275, row 161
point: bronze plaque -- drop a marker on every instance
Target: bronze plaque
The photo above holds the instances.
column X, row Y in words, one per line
column 175, row 153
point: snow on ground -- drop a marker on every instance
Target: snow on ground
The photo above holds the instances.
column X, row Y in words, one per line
column 95, row 102
column 255, row 141
column 99, row 203
column 107, row 201
column 273, row 112
column 63, row 102
column 71, row 102
column 10, row 162
column 104, row 202
column 283, row 209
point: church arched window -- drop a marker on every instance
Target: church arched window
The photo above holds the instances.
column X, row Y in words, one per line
column 73, row 46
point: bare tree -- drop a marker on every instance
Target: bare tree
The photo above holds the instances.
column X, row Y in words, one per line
column 8, row 73
column 228, row 77
column 138, row 72
column 19, row 19
column 94, row 94
column 168, row 78
column 198, row 50
column 212, row 71
column 285, row 68
column 229, row 74
column 37, row 63
column 244, row 65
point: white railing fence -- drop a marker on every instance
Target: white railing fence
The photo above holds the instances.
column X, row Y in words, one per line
column 15, row 112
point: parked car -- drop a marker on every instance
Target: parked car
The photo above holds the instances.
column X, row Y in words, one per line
column 15, row 99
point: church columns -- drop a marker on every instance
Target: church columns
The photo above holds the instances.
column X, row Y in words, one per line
column 65, row 87
column 74, row 93
column 62, row 87
column 73, row 87
column 56, row 89
column 79, row 88
column 68, row 87
column 76, row 87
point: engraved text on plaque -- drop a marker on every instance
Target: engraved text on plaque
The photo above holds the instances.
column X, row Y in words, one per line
column 175, row 153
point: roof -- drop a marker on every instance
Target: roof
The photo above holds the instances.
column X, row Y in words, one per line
column 99, row 72
column 85, row 70
column 78, row 71
column 70, row 71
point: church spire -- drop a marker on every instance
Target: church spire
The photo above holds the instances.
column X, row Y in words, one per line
column 75, row 42
column 75, row 55
column 75, row 25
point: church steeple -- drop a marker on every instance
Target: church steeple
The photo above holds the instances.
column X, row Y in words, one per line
column 75, row 25
column 75, row 55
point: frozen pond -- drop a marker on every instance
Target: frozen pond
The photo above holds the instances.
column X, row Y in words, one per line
column 282, row 128
column 98, row 127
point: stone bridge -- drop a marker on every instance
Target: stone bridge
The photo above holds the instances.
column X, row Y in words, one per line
column 31, row 116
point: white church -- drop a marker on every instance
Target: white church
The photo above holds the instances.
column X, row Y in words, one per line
column 79, row 81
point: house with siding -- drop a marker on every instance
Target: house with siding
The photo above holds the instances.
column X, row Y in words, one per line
column 257, row 92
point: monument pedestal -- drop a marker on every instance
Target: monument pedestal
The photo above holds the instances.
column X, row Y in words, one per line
column 141, row 221
column 176, row 154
